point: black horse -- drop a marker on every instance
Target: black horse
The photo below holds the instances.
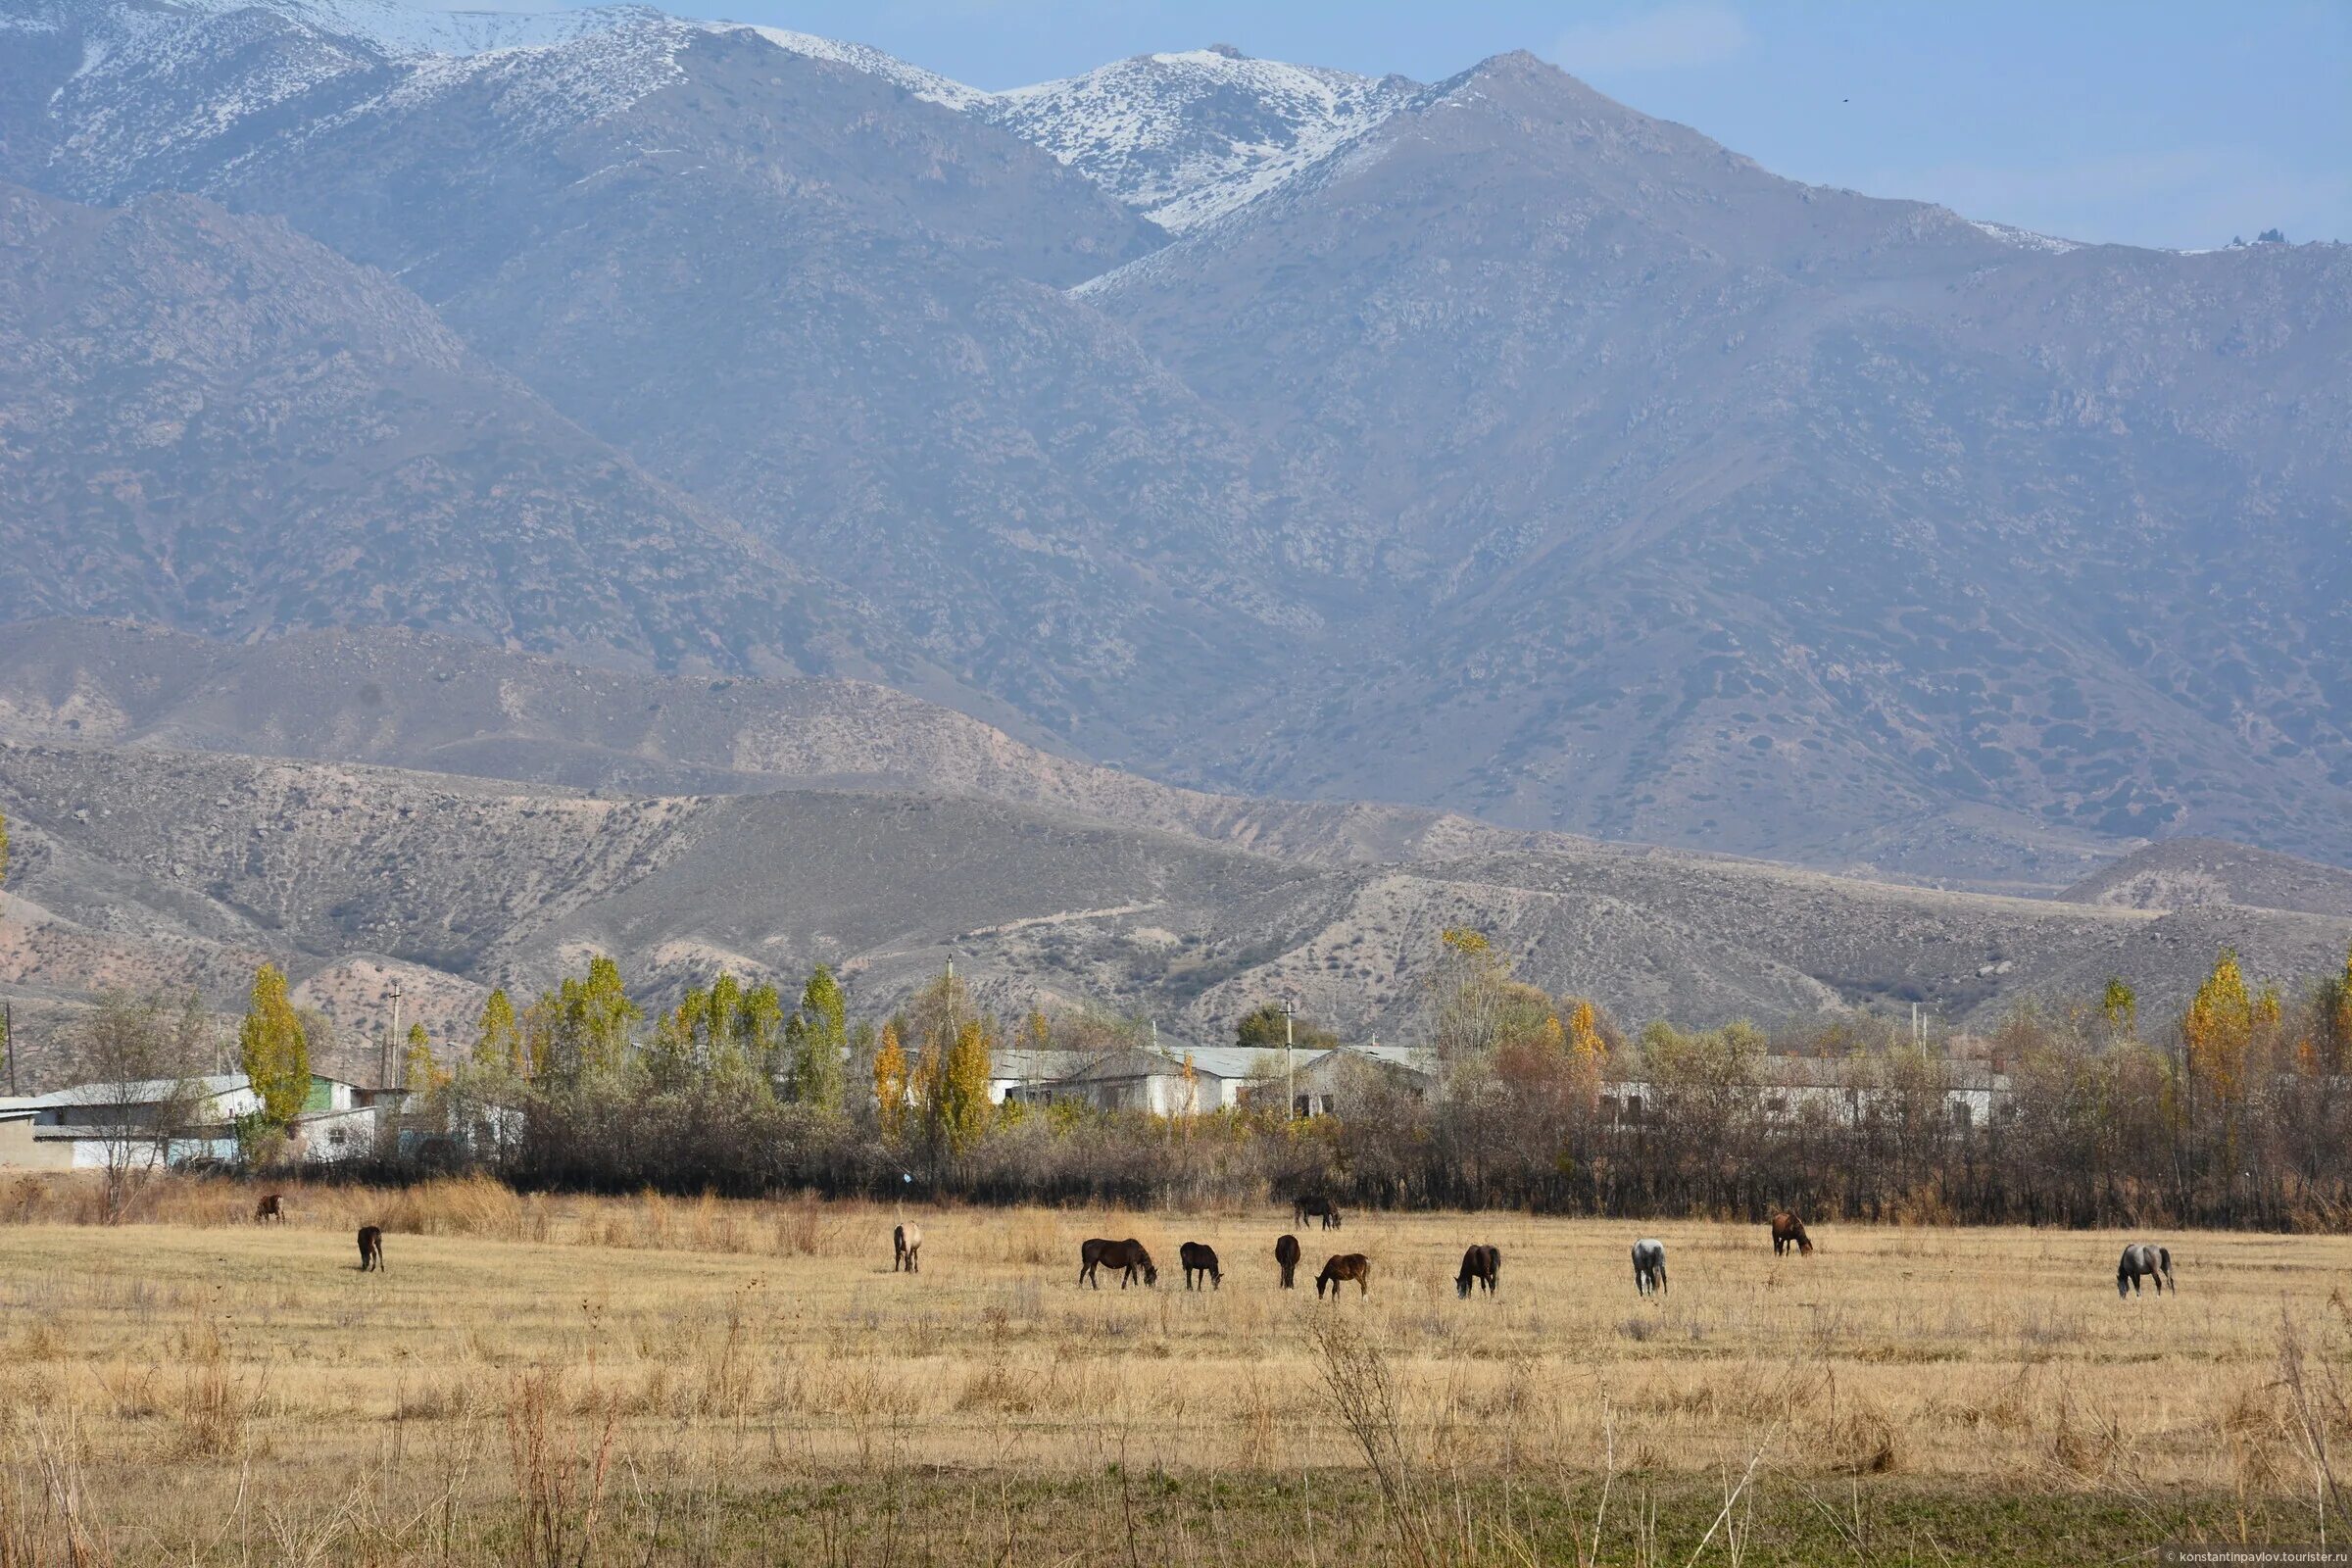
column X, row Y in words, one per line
column 1481, row 1266
column 1200, row 1259
column 1127, row 1257
column 1286, row 1254
column 1322, row 1208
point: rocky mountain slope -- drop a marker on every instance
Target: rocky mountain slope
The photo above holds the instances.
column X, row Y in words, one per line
column 410, row 701
column 1489, row 446
column 2185, row 873
column 142, row 866
column 1750, row 512
column 267, row 435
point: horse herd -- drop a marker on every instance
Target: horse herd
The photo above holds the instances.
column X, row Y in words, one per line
column 1482, row 1264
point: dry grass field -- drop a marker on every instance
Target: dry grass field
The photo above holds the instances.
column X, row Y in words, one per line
column 582, row 1381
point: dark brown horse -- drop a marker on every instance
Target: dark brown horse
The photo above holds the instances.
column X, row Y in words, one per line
column 1323, row 1209
column 1285, row 1253
column 269, row 1209
column 907, row 1247
column 1200, row 1259
column 1789, row 1231
column 1481, row 1266
column 1127, row 1257
column 1337, row 1270
column 371, row 1247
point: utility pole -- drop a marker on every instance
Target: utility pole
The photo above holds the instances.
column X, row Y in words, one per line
column 1289, row 1054
column 383, row 1054
column 8, row 1031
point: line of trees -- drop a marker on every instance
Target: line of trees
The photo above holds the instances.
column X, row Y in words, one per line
column 2238, row 1111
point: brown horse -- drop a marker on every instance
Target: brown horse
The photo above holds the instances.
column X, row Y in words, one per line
column 1199, row 1259
column 1127, row 1257
column 269, row 1209
column 1285, row 1253
column 1305, row 1209
column 1481, row 1266
column 371, row 1247
column 1789, row 1231
column 906, row 1248
column 1346, row 1266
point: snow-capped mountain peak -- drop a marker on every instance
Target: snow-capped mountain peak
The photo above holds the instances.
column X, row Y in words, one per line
column 1180, row 138
column 1186, row 137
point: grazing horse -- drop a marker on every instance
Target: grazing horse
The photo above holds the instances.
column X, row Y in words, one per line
column 1127, row 1257
column 906, row 1248
column 1199, row 1259
column 1286, row 1254
column 1323, row 1209
column 1789, row 1231
column 1337, row 1270
column 1650, row 1266
column 269, row 1209
column 1481, row 1266
column 2141, row 1261
column 371, row 1247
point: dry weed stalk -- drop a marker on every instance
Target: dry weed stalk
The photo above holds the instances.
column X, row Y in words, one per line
column 558, row 1507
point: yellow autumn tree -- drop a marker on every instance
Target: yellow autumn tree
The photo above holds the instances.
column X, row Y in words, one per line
column 2217, row 1031
column 498, row 1038
column 1588, row 1051
column 421, row 1071
column 274, row 1049
column 890, row 1083
column 1584, row 1034
column 954, row 1087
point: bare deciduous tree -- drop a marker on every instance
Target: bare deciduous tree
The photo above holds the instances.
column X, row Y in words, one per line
column 140, row 1055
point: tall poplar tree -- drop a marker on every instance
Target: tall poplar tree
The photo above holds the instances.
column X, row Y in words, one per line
column 498, row 1038
column 274, row 1050
column 818, row 1034
column 891, row 1085
column 421, row 1070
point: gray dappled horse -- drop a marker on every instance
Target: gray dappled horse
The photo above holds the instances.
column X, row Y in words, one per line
column 1649, row 1265
column 2143, row 1261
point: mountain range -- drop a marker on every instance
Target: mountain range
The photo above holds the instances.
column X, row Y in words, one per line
column 1208, row 443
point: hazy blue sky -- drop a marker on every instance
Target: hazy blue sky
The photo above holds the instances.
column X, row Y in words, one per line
column 2152, row 123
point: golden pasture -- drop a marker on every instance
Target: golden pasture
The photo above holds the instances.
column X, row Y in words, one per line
column 637, row 1370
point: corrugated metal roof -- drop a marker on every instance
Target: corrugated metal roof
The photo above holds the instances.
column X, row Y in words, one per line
column 1212, row 1061
column 138, row 1092
column 1020, row 1065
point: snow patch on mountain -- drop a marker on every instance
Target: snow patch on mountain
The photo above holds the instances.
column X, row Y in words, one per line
column 2023, row 238
column 926, row 84
column 539, row 88
column 402, row 30
column 1184, row 139
column 151, row 90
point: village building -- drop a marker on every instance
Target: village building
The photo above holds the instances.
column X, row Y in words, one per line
column 172, row 1120
column 1968, row 1094
column 1332, row 1082
column 1170, row 1081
